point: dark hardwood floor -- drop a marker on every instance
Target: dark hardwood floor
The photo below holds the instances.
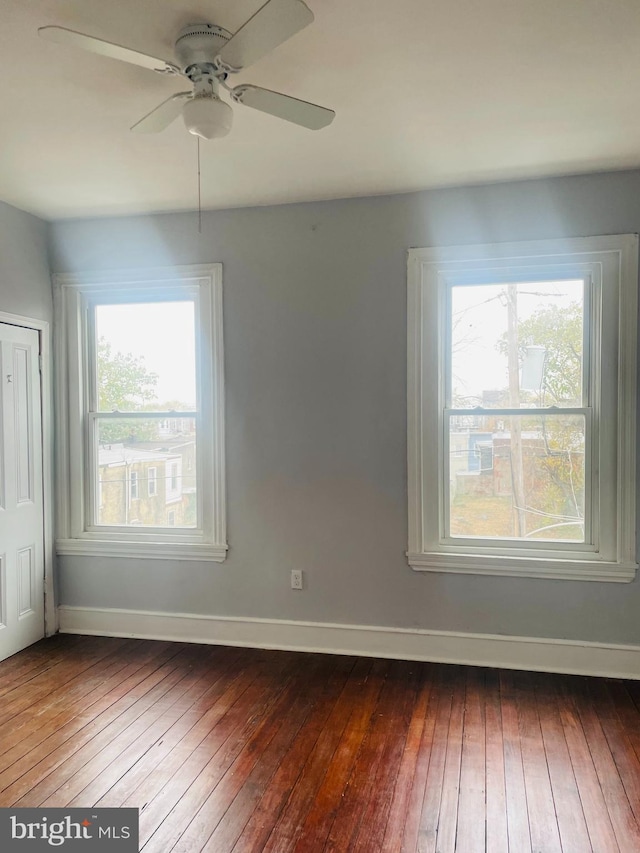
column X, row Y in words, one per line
column 225, row 749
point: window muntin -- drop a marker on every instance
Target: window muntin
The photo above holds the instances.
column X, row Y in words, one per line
column 594, row 410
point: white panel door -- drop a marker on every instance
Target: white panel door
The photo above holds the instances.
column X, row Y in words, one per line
column 21, row 506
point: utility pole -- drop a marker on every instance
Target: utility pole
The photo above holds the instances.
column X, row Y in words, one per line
column 517, row 475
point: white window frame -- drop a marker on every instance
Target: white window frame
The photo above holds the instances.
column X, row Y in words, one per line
column 75, row 295
column 610, row 266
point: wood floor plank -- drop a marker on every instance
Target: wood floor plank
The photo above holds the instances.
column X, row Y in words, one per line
column 625, row 711
column 175, row 721
column 44, row 776
column 230, row 750
column 448, row 816
column 543, row 823
column 412, row 826
column 313, row 697
column 38, row 690
column 385, row 771
column 516, row 795
column 601, row 832
column 497, row 835
column 39, row 651
column 472, row 816
column 164, row 820
column 197, row 724
column 235, row 796
column 341, row 824
column 236, row 712
column 273, row 799
column 58, row 789
column 34, row 661
column 430, row 813
column 287, row 828
column 633, row 689
column 75, row 700
column 345, row 821
column 399, row 808
column 315, row 829
column 62, row 661
column 195, row 818
column 574, row 835
column 592, row 707
column 193, row 751
column 31, row 759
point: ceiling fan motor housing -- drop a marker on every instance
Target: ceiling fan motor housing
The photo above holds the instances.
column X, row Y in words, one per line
column 198, row 45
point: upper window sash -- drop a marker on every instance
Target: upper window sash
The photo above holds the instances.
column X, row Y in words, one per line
column 591, row 294
column 153, row 293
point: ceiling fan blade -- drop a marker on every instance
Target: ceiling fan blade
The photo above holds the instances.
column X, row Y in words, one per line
column 283, row 106
column 162, row 115
column 271, row 25
column 61, row 35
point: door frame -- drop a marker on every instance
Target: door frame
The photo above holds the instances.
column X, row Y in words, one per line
column 46, row 401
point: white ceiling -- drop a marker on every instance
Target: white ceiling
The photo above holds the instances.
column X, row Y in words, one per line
column 427, row 93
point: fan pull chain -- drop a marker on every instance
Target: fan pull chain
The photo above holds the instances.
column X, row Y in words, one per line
column 199, row 190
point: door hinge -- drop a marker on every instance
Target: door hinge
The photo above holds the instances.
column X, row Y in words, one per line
column 40, row 363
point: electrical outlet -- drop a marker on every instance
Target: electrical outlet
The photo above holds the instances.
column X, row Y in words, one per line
column 296, row 578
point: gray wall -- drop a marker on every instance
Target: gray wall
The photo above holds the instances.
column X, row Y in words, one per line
column 25, row 282
column 315, row 333
column 25, row 286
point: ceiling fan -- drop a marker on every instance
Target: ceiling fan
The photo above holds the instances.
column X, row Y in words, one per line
column 207, row 54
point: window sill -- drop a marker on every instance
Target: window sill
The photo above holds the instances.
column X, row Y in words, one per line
column 524, row 567
column 142, row 550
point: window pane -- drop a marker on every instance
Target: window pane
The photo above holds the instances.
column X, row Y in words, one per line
column 517, row 477
column 146, row 357
column 147, row 472
column 517, row 345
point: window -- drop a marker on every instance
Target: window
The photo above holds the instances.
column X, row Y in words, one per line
column 133, row 486
column 521, row 408
column 174, row 489
column 136, row 406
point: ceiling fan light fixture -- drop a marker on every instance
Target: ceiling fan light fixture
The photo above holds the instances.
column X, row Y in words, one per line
column 206, row 55
column 207, row 117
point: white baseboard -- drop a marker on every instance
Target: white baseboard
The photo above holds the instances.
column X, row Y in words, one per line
column 529, row 653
